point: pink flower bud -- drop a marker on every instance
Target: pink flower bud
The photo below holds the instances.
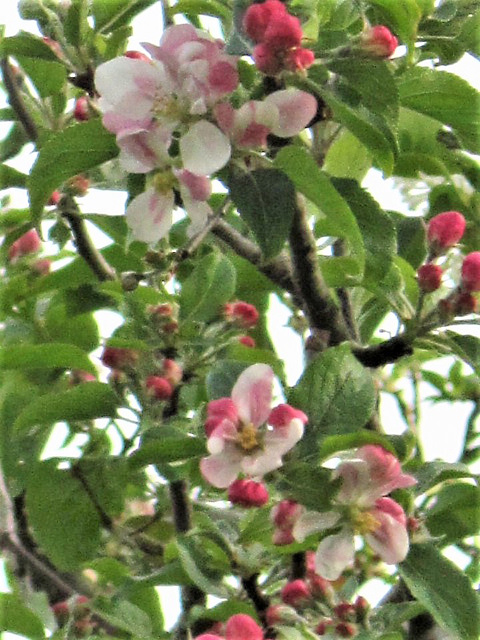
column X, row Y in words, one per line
column 463, row 304
column 429, row 277
column 283, row 32
column 54, row 199
column 324, row 626
column 61, row 611
column 172, row 371
column 158, row 388
column 344, row 611
column 247, row 341
column 241, row 313
column 346, row 630
column 42, row 266
column 445, row 230
column 248, row 493
column 298, row 59
column 79, row 185
column 119, row 358
column 163, row 310
column 379, row 42
column 278, row 613
column 81, row 111
column 471, row 272
column 136, row 55
column 282, row 537
column 283, row 414
column 285, row 514
column 267, row 60
column 243, row 627
column 28, row 243
column 295, row 593
column 258, row 17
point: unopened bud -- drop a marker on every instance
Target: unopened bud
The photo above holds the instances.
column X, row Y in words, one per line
column 248, row 493
column 28, row 243
column 247, row 341
column 378, row 42
column 471, row 272
column 241, row 313
column 119, row 358
column 130, row 280
column 42, row 266
column 345, row 611
column 78, row 185
column 158, row 388
column 136, row 55
column 444, row 231
column 429, row 277
column 81, row 110
column 296, row 593
column 346, row 630
column 172, row 371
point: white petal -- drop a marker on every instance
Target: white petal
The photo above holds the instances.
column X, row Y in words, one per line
column 334, row 554
column 149, row 215
column 390, row 540
column 296, row 108
column 252, row 394
column 312, row 522
column 198, row 212
column 204, row 148
column 219, row 471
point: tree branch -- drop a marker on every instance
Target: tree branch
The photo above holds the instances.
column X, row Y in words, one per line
column 323, row 313
column 259, row 600
column 16, row 101
column 69, row 210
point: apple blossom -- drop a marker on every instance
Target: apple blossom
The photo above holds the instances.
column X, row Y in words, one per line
column 362, row 509
column 283, row 113
column 239, row 438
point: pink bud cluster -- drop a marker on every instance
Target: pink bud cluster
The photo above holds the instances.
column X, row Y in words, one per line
column 444, row 231
column 238, row 627
column 28, row 245
column 162, row 385
column 278, row 38
column 244, row 315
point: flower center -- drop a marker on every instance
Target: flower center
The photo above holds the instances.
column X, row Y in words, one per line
column 248, row 438
column 364, row 522
column 167, row 107
column 164, row 181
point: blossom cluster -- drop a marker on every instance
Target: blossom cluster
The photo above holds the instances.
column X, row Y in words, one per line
column 169, row 117
column 444, row 231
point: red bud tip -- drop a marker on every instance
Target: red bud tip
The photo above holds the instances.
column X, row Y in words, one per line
column 379, row 42
column 248, row 493
column 295, row 593
column 136, row 55
column 158, row 388
column 241, row 313
column 247, row 341
column 81, row 111
column 445, row 230
column 429, row 277
column 119, row 358
column 471, row 272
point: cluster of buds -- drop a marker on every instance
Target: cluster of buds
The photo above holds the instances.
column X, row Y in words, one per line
column 29, row 244
column 162, row 385
column 244, row 316
column 444, row 231
column 76, row 611
column 345, row 619
column 164, row 317
column 278, row 38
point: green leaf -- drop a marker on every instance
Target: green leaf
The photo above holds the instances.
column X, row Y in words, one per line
column 45, row 356
column 372, row 130
column 78, row 148
column 28, row 45
column 308, row 484
column 201, row 7
column 76, row 27
column 338, row 220
column 196, row 561
column 377, row 228
column 336, row 393
column 389, row 617
column 83, row 402
column 211, row 284
column 445, row 97
column 456, row 513
column 80, row 330
column 168, row 449
column 432, row 473
column 222, row 377
column 116, row 13
column 47, row 76
column 347, row 157
column 333, row 444
column 266, row 200
column 124, row 615
column 107, row 478
column 465, row 346
column 16, row 618
column 443, row 589
column 411, row 238
column 374, row 81
column 10, row 177
column 64, row 520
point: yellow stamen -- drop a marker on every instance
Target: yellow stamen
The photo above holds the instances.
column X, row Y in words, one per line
column 164, row 181
column 364, row 522
column 247, row 438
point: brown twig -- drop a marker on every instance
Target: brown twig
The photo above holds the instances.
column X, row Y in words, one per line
column 69, row 210
column 16, row 101
column 259, row 600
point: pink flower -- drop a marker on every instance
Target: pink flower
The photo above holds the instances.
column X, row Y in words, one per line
column 379, row 41
column 239, row 440
column 445, row 230
column 149, row 215
column 471, row 272
column 283, row 113
column 429, row 277
column 362, row 509
column 238, row 627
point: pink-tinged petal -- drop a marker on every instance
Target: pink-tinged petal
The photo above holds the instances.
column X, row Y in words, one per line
column 390, row 539
column 276, row 443
column 296, row 109
column 224, row 407
column 225, row 116
column 223, row 78
column 334, row 554
column 282, row 414
column 204, row 148
column 384, row 469
column 149, row 215
column 220, row 471
column 176, row 35
column 243, row 627
column 355, row 482
column 252, row 394
column 313, row 522
column 222, row 437
column 199, row 187
column 208, row 636
column 390, row 506
column 143, row 151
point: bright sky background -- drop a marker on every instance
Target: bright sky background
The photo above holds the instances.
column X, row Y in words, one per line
column 442, row 424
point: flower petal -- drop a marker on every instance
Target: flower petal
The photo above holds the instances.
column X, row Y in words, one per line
column 220, row 471
column 198, row 213
column 252, row 394
column 204, row 148
column 149, row 215
column 296, row 108
column 312, row 522
column 334, row 554
column 390, row 539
